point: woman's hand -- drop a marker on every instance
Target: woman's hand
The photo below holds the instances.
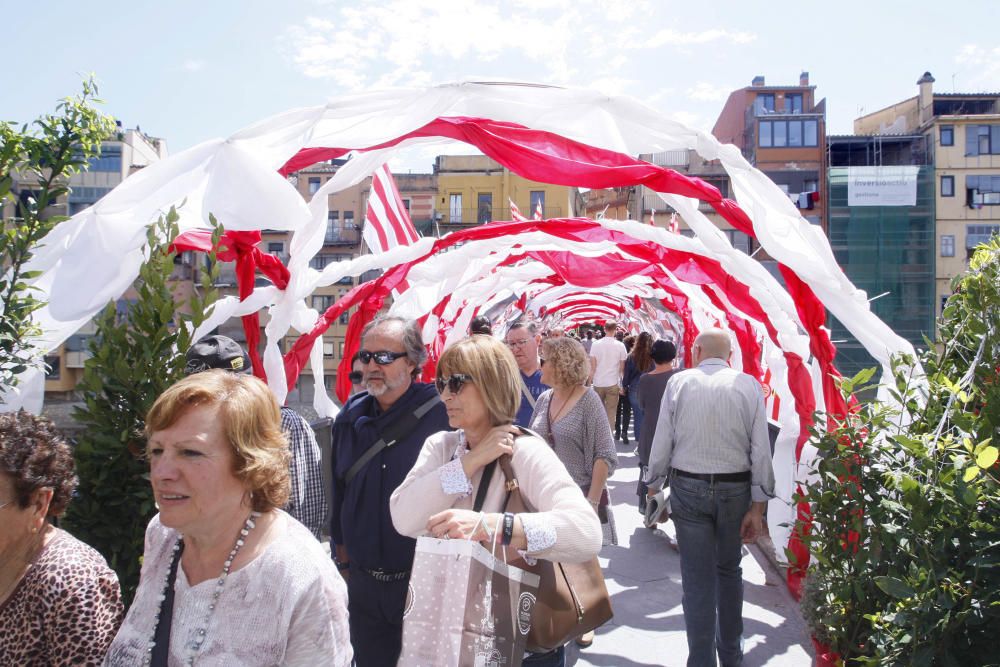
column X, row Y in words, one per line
column 463, row 524
column 498, row 441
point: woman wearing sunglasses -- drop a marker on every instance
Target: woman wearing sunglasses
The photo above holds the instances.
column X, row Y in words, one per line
column 481, row 389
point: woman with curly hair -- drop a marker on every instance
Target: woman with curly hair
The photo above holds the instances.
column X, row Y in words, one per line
column 228, row 577
column 571, row 418
column 59, row 601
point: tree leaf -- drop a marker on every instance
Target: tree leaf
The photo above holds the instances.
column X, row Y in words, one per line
column 970, row 473
column 987, row 457
column 897, row 588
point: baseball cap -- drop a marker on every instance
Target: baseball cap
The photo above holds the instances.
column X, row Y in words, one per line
column 216, row 352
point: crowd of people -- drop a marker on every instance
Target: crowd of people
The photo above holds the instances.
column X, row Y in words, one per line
column 233, row 570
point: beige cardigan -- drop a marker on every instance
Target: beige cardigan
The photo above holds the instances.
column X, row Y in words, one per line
column 545, row 485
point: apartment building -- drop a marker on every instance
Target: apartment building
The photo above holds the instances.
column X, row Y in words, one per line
column 127, row 151
column 881, row 210
column 474, row 189
column 962, row 131
column 781, row 130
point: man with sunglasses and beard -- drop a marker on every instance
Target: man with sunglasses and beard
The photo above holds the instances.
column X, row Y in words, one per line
column 376, row 439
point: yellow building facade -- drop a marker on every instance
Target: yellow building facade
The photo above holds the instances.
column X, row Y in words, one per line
column 474, row 189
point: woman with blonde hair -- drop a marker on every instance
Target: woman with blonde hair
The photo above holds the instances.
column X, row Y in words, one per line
column 227, row 577
column 481, row 388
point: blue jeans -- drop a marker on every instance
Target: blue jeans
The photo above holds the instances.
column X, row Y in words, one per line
column 708, row 518
column 637, row 412
column 556, row 658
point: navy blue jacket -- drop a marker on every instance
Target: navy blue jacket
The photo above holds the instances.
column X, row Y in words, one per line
column 361, row 520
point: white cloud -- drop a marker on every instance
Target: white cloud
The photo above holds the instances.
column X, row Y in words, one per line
column 669, row 37
column 402, row 42
column 707, row 92
column 193, row 65
column 980, row 69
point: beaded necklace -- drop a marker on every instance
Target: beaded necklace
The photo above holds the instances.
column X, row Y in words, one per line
column 220, row 583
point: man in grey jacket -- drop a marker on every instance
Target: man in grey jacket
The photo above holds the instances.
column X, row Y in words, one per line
column 711, row 442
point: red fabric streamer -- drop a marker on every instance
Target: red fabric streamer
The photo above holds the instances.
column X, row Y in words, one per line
column 241, row 247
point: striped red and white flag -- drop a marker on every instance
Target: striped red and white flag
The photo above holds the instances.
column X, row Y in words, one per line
column 387, row 224
column 515, row 212
column 538, row 210
column 675, row 225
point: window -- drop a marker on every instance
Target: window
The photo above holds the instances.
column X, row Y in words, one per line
column 738, row 240
column 319, row 262
column 810, row 133
column 455, row 208
column 110, row 160
column 947, row 245
column 406, row 204
column 276, row 247
column 765, row 133
column 810, row 185
column 982, row 139
column 792, row 133
column 793, row 103
column 764, row 104
column 52, row 367
column 982, row 191
column 484, row 207
column 314, row 183
column 322, row 301
column 977, row 234
column 327, row 349
column 947, row 135
column 780, row 131
column 349, row 220
column 537, row 200
column 333, row 216
column 944, row 301
column 947, row 186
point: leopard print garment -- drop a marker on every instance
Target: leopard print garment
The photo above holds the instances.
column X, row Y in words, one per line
column 65, row 611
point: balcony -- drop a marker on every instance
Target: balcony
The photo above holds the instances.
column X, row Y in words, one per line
column 468, row 217
column 348, row 235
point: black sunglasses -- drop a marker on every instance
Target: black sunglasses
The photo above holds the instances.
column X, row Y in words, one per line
column 355, row 377
column 382, row 357
column 453, row 384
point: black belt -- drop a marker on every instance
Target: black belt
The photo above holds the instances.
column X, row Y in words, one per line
column 715, row 477
column 386, row 576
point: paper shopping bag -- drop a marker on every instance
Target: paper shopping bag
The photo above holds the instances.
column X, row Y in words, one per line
column 465, row 607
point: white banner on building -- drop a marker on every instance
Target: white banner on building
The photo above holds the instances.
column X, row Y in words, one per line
column 882, row 186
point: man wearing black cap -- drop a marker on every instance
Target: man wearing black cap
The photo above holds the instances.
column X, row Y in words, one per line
column 307, row 501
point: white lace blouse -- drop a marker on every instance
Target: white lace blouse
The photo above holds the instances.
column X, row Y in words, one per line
column 286, row 607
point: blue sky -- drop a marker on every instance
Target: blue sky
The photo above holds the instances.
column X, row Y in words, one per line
column 190, row 71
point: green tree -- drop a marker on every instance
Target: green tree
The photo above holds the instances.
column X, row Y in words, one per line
column 41, row 157
column 906, row 540
column 136, row 355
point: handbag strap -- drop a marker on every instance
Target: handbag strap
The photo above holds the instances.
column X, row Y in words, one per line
column 161, row 638
column 484, row 485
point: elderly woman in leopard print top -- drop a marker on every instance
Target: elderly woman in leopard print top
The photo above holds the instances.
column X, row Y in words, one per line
column 59, row 602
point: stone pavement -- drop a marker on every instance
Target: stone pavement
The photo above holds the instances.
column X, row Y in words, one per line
column 643, row 574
